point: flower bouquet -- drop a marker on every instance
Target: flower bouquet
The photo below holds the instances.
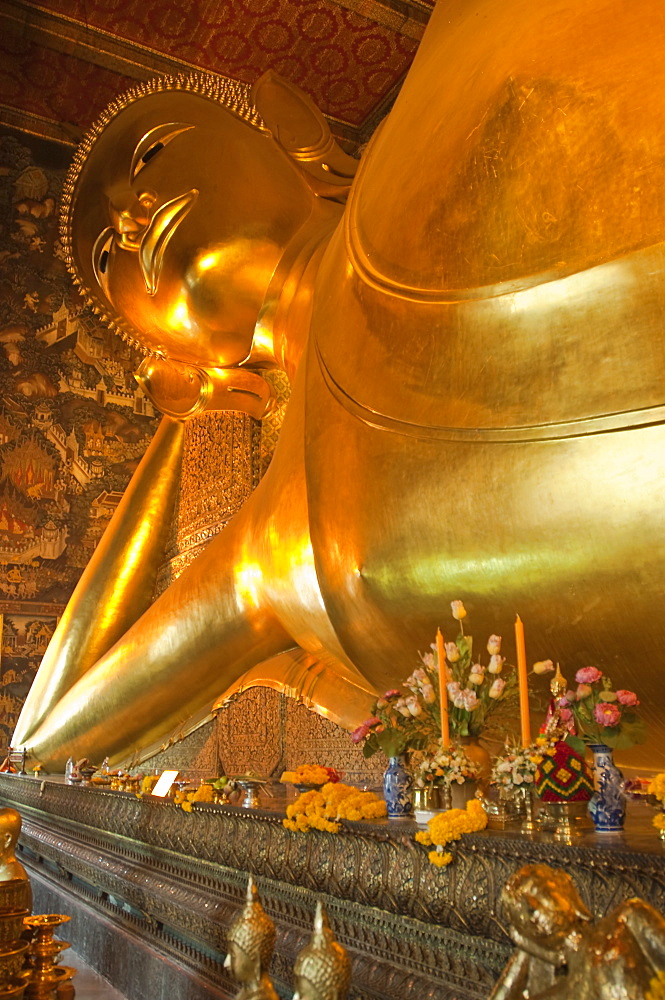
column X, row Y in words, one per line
column 517, row 766
column 657, row 789
column 474, row 689
column 602, row 714
column 446, row 766
column 396, row 725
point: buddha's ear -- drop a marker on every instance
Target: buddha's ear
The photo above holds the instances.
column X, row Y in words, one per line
column 300, row 129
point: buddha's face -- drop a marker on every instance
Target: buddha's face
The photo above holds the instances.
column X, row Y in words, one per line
column 243, row 968
column 181, row 215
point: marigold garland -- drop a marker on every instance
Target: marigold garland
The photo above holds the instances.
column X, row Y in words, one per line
column 310, row 774
column 448, row 826
column 322, row 810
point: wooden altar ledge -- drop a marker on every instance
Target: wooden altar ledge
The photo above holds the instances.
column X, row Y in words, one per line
column 152, row 889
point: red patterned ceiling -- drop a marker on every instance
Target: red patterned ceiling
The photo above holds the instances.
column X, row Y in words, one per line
column 350, row 64
column 55, row 85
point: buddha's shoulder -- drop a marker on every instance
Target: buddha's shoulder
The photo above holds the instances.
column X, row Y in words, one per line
column 525, row 140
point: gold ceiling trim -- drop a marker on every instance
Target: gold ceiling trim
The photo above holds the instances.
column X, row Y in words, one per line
column 409, row 19
column 43, row 128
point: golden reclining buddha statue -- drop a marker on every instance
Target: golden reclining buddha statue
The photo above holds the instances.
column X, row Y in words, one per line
column 474, row 338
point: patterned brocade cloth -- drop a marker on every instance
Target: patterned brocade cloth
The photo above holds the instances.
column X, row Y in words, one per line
column 564, row 777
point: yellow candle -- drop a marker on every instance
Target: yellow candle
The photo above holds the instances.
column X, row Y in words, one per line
column 523, row 682
column 443, row 689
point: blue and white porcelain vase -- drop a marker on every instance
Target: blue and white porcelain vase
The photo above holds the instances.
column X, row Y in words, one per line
column 608, row 803
column 397, row 788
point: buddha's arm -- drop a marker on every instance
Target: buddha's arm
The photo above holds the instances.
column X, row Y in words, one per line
column 207, row 629
column 118, row 582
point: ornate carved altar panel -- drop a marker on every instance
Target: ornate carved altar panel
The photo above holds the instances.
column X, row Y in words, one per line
column 168, row 883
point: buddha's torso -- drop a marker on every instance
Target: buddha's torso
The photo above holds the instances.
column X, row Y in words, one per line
column 484, row 396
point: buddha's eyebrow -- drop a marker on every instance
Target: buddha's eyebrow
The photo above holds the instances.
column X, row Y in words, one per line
column 151, row 143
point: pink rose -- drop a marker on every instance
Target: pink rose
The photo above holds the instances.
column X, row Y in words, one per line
column 588, row 675
column 360, row 733
column 565, row 702
column 583, row 691
column 606, row 714
column 565, row 714
column 627, row 697
column 393, row 693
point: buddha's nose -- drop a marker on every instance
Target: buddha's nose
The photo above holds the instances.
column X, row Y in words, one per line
column 130, row 216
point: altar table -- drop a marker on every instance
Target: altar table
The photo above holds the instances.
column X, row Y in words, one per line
column 152, row 889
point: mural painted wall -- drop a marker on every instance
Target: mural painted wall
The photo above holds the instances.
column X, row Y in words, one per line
column 73, row 422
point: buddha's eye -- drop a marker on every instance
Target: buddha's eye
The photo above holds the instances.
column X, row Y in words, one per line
column 152, row 143
column 101, row 253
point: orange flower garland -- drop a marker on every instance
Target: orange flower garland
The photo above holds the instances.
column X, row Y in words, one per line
column 448, row 826
column 322, row 810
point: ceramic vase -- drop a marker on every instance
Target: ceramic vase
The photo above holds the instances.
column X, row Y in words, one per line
column 398, row 788
column 608, row 803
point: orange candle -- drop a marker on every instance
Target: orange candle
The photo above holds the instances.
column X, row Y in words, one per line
column 523, row 682
column 443, row 689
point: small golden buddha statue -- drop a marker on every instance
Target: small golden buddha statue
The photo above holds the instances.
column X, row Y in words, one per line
column 10, row 868
column 562, row 955
column 251, row 940
column 323, row 967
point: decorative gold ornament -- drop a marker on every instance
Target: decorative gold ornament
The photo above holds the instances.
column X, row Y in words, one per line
column 562, row 955
column 251, row 940
column 323, row 967
column 490, row 298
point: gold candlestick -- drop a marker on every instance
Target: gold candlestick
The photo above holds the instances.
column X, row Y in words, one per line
column 43, row 953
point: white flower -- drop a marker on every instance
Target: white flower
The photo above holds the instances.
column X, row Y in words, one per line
column 477, row 674
column 428, row 660
column 458, row 609
column 494, row 644
column 429, row 694
column 496, row 663
column 469, row 700
column 543, row 667
column 403, row 709
column 497, row 688
column 453, row 689
column 413, row 706
column 517, row 778
column 452, row 652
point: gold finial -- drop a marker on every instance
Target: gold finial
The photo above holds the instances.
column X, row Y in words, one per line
column 558, row 684
column 323, row 967
column 251, row 939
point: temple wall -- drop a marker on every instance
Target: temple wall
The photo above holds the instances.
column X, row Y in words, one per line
column 73, row 422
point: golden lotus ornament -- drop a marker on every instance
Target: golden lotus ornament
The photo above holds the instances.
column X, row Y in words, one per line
column 486, row 309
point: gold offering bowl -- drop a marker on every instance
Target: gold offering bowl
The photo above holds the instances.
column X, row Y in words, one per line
column 14, row 988
column 12, row 959
column 11, row 924
column 14, row 895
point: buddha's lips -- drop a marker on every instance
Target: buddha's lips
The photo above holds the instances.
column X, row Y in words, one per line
column 164, row 223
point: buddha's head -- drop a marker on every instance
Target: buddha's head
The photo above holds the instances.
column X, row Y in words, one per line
column 251, row 940
column 180, row 204
column 542, row 906
column 323, row 968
